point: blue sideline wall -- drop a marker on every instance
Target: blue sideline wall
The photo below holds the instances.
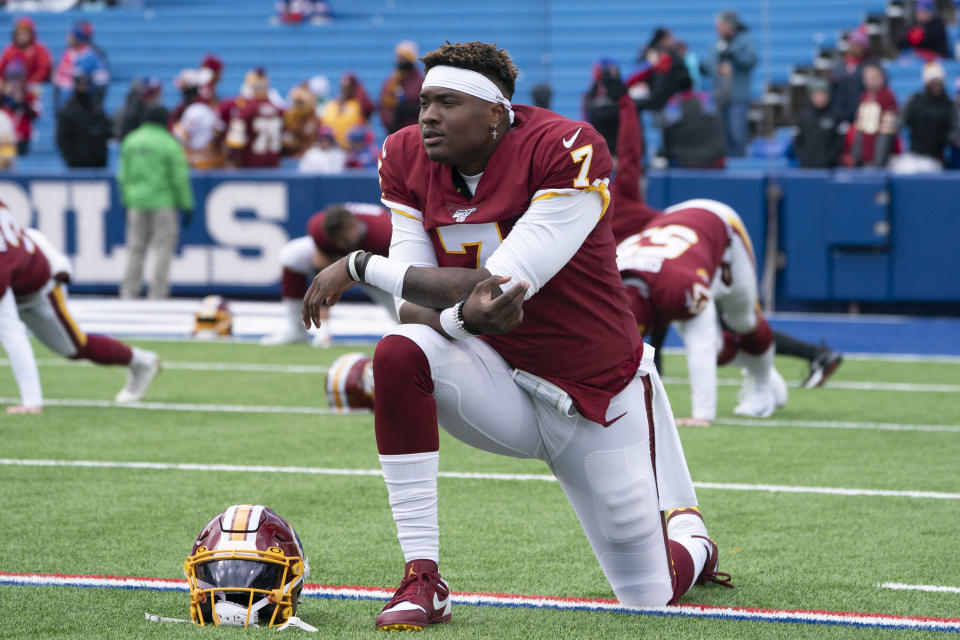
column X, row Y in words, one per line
column 844, row 236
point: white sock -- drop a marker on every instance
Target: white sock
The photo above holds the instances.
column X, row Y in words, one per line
column 758, row 366
column 681, row 529
column 412, row 487
column 291, row 314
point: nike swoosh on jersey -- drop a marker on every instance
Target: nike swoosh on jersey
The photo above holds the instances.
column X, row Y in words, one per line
column 438, row 603
column 569, row 143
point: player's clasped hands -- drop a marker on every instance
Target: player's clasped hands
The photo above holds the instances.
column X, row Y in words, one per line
column 484, row 313
column 326, row 289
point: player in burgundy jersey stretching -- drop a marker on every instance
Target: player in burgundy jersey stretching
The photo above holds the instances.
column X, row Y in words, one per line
column 33, row 278
column 517, row 337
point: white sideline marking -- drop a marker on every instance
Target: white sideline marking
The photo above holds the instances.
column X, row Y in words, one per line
column 459, row 475
column 911, row 387
column 684, row 610
column 278, row 409
column 898, row 586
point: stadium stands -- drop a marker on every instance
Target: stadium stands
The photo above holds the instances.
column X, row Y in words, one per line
column 553, row 41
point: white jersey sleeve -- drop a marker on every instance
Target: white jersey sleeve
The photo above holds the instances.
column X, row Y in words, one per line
column 410, row 243
column 546, row 237
column 13, row 337
column 701, row 336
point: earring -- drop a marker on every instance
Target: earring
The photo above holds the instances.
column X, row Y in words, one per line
column 494, row 133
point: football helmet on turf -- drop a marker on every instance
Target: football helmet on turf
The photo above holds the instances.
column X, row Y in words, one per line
column 213, row 319
column 350, row 383
column 247, row 569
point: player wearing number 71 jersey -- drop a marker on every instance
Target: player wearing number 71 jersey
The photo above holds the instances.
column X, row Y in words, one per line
column 517, row 338
column 686, row 266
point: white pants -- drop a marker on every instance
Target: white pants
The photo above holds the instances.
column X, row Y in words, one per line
column 734, row 290
column 297, row 255
column 606, row 472
column 45, row 313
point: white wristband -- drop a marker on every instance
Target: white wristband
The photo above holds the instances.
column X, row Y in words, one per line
column 450, row 326
column 385, row 274
column 352, row 266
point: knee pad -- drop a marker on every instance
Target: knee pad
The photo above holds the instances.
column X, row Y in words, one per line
column 624, row 499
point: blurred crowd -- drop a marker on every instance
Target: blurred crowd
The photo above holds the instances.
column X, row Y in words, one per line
column 321, row 129
column 702, row 103
column 843, row 115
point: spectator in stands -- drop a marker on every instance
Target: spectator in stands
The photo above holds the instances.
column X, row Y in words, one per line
column 34, row 55
column 693, row 137
column 400, row 94
column 154, row 184
column 20, row 104
column 198, row 126
column 600, row 101
column 82, row 126
column 662, row 70
column 192, row 84
column 931, row 116
column 255, row 129
column 299, row 122
column 542, row 95
column 87, row 28
column 298, row 11
column 8, row 142
column 143, row 93
column 325, row 156
column 848, row 73
column 79, row 54
column 363, row 151
column 954, row 160
column 873, row 137
column 208, row 90
column 319, row 86
column 821, row 129
column 350, row 108
column 927, row 37
column 730, row 64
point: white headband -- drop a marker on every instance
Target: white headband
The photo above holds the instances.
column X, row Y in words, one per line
column 471, row 82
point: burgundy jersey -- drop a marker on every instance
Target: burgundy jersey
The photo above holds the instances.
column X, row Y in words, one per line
column 256, row 130
column 577, row 331
column 677, row 256
column 375, row 218
column 23, row 267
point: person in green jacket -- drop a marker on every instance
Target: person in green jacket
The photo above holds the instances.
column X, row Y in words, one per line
column 154, row 184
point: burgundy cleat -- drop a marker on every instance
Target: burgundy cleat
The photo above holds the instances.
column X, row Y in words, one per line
column 422, row 599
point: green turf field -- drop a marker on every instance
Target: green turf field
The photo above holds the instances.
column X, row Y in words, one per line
column 808, row 546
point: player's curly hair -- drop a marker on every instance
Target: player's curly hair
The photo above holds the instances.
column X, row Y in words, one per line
column 481, row 57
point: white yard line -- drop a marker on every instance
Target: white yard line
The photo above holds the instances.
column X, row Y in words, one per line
column 898, row 586
column 459, row 475
column 833, row 424
column 322, row 411
column 258, row 367
column 912, row 387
